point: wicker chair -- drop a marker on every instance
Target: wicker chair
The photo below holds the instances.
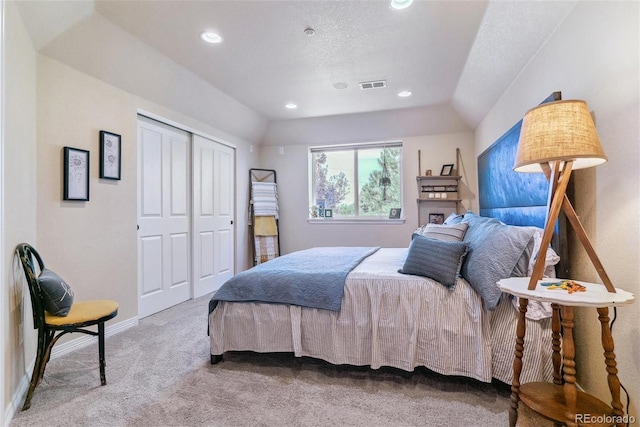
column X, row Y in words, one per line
column 51, row 328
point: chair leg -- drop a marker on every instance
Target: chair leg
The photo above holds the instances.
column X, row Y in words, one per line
column 37, row 369
column 103, row 379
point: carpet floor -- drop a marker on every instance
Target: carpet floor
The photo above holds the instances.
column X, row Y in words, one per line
column 158, row 374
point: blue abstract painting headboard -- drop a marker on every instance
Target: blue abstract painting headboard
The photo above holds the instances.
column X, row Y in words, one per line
column 517, row 198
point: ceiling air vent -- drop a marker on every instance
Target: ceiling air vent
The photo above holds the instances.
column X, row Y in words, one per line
column 373, row 85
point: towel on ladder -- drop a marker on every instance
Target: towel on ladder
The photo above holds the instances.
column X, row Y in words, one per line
column 266, row 248
column 265, row 226
column 264, row 199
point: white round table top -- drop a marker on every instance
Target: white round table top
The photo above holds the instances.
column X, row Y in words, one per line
column 595, row 295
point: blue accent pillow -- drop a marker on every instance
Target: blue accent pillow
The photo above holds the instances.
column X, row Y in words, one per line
column 495, row 250
column 57, row 295
column 454, row 218
column 436, row 259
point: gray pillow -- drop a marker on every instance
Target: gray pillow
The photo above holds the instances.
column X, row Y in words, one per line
column 435, row 259
column 57, row 295
column 454, row 218
column 495, row 250
column 449, row 233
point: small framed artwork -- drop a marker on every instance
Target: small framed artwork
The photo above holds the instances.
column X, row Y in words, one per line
column 110, row 162
column 436, row 218
column 76, row 174
column 446, row 170
column 394, row 213
column 328, row 213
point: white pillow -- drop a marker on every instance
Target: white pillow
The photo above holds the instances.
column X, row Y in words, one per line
column 551, row 258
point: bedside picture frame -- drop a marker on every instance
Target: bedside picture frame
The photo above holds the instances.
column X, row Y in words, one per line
column 110, row 155
column 446, row 170
column 394, row 213
column 436, row 218
column 76, row 174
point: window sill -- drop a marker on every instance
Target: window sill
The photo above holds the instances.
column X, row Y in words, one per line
column 367, row 221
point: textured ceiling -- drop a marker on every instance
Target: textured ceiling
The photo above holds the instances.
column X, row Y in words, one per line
column 448, row 53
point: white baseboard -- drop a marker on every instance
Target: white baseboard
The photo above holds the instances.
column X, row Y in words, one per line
column 86, row 340
column 14, row 405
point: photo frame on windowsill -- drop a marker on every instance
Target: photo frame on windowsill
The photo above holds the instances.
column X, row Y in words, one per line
column 394, row 213
column 110, row 155
column 76, row 174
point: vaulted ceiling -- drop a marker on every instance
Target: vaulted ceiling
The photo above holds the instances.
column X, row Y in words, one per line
column 458, row 55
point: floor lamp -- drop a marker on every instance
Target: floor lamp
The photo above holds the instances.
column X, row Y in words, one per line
column 557, row 137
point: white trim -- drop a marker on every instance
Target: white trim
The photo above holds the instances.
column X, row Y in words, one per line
column 86, row 340
column 372, row 221
column 183, row 127
column 18, row 396
column 4, row 416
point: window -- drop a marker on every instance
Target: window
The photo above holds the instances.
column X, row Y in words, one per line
column 356, row 181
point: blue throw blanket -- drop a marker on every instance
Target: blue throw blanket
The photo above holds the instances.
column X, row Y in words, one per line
column 311, row 278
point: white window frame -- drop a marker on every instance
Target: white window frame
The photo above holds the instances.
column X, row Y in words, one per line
column 356, row 218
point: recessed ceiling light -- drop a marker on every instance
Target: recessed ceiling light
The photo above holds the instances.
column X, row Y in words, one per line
column 404, row 94
column 340, row 85
column 400, row 4
column 211, row 37
column 291, row 106
column 309, row 31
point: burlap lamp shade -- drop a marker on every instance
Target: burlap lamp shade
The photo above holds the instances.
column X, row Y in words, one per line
column 561, row 130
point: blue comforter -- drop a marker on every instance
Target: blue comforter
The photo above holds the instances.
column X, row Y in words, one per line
column 310, row 278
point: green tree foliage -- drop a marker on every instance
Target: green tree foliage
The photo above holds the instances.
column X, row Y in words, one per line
column 333, row 189
column 376, row 199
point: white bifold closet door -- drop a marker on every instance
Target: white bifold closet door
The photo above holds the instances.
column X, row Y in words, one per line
column 213, row 214
column 164, row 202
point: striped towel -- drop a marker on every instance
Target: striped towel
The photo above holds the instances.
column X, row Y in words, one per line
column 265, row 199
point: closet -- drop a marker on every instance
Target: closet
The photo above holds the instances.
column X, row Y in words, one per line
column 186, row 243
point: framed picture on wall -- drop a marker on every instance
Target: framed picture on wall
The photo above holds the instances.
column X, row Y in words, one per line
column 110, row 163
column 76, row 174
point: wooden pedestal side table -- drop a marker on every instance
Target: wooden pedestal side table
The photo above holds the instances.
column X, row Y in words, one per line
column 561, row 401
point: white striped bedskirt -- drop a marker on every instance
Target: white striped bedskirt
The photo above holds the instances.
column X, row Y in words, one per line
column 388, row 319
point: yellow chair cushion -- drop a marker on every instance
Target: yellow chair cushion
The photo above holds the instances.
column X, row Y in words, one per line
column 84, row 311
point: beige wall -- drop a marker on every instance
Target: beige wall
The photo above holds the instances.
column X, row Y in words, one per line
column 95, row 242
column 92, row 244
column 19, row 194
column 293, row 195
column 594, row 56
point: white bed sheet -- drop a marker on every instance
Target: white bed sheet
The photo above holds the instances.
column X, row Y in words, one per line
column 386, row 319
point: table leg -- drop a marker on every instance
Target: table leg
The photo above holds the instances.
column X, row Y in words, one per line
column 555, row 343
column 569, row 365
column 610, row 360
column 517, row 362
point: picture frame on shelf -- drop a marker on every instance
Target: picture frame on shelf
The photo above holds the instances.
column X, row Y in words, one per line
column 394, row 213
column 110, row 155
column 436, row 218
column 446, row 170
column 76, row 174
column 328, row 213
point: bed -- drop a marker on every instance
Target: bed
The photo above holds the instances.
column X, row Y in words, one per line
column 391, row 313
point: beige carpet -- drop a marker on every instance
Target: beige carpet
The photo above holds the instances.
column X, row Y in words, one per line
column 159, row 374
